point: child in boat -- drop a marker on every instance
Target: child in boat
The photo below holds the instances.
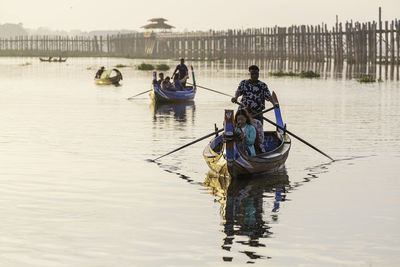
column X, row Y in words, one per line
column 245, row 129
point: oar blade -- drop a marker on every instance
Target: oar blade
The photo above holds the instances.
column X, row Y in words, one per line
column 129, row 98
column 278, row 115
column 298, row 138
column 188, row 144
column 212, row 90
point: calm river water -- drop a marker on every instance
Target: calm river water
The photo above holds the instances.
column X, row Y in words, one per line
column 76, row 188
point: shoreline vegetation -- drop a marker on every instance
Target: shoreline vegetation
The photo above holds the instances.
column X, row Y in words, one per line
column 146, row 66
column 302, row 74
column 25, row 64
column 367, row 79
column 121, row 66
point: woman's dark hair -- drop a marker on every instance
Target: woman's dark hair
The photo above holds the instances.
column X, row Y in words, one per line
column 243, row 112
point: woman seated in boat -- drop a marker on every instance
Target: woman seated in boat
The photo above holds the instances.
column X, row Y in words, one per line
column 246, row 131
column 167, row 85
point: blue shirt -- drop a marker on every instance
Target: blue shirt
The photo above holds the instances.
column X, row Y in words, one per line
column 183, row 70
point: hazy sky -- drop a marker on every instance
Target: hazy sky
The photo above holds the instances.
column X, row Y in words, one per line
column 192, row 15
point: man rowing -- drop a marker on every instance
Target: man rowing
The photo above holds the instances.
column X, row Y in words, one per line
column 254, row 93
column 182, row 71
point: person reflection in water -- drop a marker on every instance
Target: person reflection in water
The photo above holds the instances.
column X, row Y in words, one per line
column 242, row 210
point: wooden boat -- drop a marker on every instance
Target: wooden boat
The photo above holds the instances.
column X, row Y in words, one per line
column 161, row 95
column 225, row 154
column 112, row 76
column 50, row 59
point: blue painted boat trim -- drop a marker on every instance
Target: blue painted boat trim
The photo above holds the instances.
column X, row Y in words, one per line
column 278, row 118
column 167, row 95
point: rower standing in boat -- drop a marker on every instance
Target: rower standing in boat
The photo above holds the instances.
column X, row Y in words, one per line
column 254, row 93
column 183, row 72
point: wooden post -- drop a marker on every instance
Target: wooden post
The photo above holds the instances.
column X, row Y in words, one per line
column 328, row 44
column 398, row 43
column 392, row 45
column 386, row 42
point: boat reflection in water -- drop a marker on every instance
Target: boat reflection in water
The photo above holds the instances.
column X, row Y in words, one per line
column 179, row 111
column 245, row 205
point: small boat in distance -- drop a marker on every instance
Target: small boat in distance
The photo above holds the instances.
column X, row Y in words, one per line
column 161, row 95
column 52, row 59
column 225, row 154
column 164, row 96
column 112, row 76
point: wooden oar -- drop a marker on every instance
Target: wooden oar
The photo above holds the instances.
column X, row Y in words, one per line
column 285, row 130
column 201, row 138
column 298, row 138
column 191, row 143
column 139, row 94
column 212, row 90
column 154, row 80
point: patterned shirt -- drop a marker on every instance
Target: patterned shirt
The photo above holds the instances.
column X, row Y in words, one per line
column 254, row 95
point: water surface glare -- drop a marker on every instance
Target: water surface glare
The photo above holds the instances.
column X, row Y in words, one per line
column 77, row 187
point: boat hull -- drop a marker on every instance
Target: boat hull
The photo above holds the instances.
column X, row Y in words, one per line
column 52, row 60
column 107, row 81
column 166, row 96
column 244, row 166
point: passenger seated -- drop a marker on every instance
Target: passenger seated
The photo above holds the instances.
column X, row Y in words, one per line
column 177, row 83
column 167, row 85
column 183, row 81
column 259, row 143
column 246, row 131
column 161, row 80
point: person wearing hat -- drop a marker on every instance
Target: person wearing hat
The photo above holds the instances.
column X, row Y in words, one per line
column 99, row 72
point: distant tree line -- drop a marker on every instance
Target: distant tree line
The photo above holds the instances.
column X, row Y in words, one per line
column 12, row 29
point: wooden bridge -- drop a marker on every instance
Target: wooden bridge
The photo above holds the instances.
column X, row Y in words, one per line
column 358, row 43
